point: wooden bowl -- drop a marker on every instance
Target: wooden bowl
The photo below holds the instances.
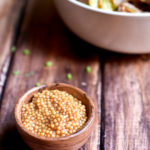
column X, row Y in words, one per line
column 72, row 142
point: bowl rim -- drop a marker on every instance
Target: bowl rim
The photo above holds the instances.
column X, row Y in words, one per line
column 48, row 139
column 107, row 12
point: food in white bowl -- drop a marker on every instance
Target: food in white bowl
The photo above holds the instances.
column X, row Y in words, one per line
column 116, row 31
column 131, row 6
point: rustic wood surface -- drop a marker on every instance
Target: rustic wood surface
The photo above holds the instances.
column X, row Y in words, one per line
column 10, row 12
column 118, row 84
column 127, row 101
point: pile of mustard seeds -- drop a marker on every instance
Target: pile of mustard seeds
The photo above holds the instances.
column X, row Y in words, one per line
column 54, row 113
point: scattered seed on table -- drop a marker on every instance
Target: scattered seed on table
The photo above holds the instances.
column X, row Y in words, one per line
column 29, row 74
column 37, row 84
column 15, row 73
column 48, row 64
column 69, row 76
column 88, row 69
column 26, row 52
column 13, row 49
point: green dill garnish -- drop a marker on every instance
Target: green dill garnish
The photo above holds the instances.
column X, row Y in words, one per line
column 16, row 73
column 88, row 69
column 13, row 49
column 29, row 74
column 48, row 64
column 37, row 84
column 26, row 52
column 69, row 76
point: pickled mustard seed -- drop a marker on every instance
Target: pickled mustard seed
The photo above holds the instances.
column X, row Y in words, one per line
column 69, row 76
column 48, row 64
column 53, row 113
column 13, row 49
column 26, row 52
column 37, row 84
column 29, row 74
column 88, row 69
column 15, row 73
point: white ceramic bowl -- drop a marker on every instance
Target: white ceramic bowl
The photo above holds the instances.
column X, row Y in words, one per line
column 116, row 31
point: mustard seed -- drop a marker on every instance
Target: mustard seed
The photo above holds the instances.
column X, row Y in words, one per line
column 54, row 114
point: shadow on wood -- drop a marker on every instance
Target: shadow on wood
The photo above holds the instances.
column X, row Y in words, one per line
column 12, row 140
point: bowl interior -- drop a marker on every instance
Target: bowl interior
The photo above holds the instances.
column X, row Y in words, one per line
column 116, row 13
column 79, row 94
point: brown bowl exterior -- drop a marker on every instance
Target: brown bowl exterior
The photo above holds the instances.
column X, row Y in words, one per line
column 72, row 142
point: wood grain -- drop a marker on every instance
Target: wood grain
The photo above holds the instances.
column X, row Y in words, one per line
column 45, row 36
column 127, row 101
column 9, row 14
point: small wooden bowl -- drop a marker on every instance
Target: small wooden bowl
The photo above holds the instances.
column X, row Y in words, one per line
column 72, row 142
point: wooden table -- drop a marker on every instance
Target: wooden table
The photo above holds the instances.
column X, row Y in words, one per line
column 119, row 84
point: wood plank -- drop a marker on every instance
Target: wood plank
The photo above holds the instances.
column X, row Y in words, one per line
column 9, row 14
column 126, row 102
column 45, row 36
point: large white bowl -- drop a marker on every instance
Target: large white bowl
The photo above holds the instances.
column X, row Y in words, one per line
column 116, row 31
